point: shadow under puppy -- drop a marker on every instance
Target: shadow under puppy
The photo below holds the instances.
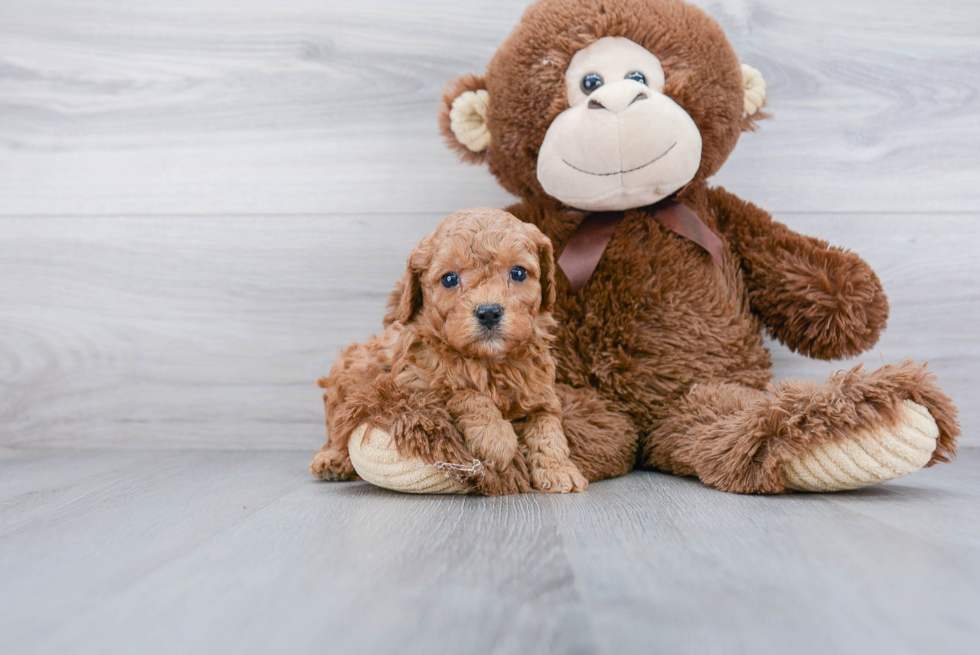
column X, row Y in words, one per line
column 464, row 370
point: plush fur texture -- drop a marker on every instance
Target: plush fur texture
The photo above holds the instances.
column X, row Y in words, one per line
column 663, row 346
column 447, row 387
column 527, row 89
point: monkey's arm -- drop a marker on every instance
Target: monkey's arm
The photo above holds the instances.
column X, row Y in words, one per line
column 821, row 301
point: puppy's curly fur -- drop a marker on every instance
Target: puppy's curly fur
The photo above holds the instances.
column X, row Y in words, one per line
column 450, row 386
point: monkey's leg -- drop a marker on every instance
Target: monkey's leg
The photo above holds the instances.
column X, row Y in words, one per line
column 398, row 439
column 856, row 429
column 601, row 440
column 393, row 443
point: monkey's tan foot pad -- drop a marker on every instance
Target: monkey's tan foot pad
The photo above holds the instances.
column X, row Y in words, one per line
column 869, row 457
column 375, row 458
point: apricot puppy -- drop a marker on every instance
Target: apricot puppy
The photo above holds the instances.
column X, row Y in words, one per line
column 470, row 333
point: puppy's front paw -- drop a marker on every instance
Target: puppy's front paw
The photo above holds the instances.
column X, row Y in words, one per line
column 510, row 480
column 496, row 445
column 558, row 479
column 332, row 466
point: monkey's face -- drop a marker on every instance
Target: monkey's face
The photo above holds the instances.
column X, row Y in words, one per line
column 605, row 106
column 621, row 143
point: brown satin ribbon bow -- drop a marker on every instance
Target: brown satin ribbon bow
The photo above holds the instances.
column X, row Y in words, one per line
column 583, row 251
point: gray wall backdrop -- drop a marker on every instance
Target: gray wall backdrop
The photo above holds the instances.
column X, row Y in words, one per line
column 201, row 201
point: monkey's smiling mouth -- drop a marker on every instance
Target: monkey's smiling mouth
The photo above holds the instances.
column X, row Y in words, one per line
column 655, row 159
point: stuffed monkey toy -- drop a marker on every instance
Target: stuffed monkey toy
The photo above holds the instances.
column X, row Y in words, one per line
column 606, row 118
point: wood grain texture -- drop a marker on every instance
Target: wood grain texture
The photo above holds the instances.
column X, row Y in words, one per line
column 319, row 106
column 211, row 332
column 242, row 552
column 200, row 202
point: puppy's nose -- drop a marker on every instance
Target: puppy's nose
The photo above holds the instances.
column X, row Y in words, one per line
column 488, row 315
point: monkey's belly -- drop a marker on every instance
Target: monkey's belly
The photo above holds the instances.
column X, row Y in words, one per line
column 644, row 354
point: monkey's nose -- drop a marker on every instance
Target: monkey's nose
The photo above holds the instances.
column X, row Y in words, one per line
column 489, row 315
column 617, row 97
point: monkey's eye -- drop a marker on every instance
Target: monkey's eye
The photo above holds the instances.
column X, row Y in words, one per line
column 449, row 280
column 518, row 274
column 637, row 76
column 591, row 82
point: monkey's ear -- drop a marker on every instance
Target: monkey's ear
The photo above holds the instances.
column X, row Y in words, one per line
column 463, row 118
column 405, row 300
column 546, row 257
column 755, row 97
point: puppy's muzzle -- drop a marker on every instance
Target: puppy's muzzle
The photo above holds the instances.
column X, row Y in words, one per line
column 489, row 315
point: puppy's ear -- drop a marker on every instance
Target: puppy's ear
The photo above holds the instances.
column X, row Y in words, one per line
column 463, row 118
column 405, row 300
column 546, row 256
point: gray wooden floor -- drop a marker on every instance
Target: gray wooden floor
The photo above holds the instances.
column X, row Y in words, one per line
column 201, row 201
column 193, row 551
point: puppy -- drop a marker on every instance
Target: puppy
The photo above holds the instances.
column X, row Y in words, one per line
column 464, row 369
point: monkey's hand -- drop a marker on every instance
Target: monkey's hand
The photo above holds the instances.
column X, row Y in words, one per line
column 821, row 301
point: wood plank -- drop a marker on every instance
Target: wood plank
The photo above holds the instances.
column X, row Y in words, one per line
column 665, row 561
column 211, row 551
column 312, row 106
column 205, row 551
column 211, row 332
column 133, row 325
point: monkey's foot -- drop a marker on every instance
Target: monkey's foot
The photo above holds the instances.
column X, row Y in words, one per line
column 377, row 460
column 868, row 457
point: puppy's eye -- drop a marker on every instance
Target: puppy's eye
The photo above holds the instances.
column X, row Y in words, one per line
column 449, row 280
column 591, row 82
column 518, row 274
column 637, row 76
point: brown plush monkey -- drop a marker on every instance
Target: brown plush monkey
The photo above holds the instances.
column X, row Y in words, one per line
column 607, row 118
